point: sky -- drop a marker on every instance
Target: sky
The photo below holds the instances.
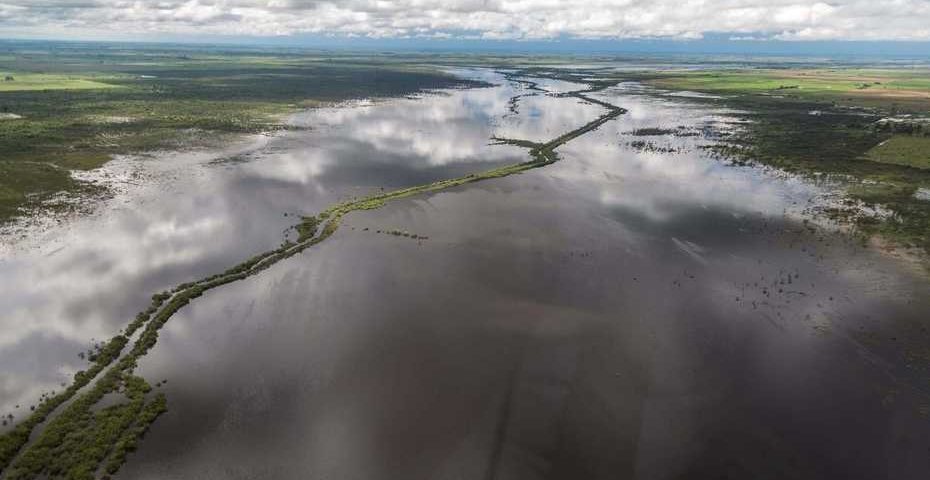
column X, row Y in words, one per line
column 741, row 22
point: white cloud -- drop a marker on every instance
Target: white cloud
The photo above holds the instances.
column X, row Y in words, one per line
column 495, row 19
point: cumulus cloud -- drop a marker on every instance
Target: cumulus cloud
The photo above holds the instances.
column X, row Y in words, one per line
column 492, row 19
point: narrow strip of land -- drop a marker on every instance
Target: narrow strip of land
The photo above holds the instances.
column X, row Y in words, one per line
column 66, row 436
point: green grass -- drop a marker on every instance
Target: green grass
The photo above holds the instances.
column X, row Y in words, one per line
column 907, row 150
column 19, row 178
column 38, row 81
column 732, row 82
column 908, row 90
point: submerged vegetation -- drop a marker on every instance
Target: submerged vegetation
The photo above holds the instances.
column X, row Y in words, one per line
column 14, row 440
column 69, row 436
column 403, row 233
column 866, row 128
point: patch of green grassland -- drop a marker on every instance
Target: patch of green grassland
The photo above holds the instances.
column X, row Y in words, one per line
column 17, row 82
column 908, row 150
column 904, row 89
column 19, row 179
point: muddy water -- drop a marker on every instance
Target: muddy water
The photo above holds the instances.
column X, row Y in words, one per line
column 634, row 311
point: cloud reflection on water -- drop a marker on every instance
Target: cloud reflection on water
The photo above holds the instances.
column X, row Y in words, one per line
column 196, row 213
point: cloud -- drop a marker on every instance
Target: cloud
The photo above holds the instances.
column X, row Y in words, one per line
column 491, row 19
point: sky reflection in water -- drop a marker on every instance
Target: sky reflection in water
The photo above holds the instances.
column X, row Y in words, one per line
column 609, row 316
column 198, row 213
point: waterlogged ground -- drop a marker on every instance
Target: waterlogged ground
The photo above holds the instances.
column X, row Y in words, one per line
column 178, row 216
column 637, row 310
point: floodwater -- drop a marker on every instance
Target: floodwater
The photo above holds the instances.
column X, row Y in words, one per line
column 180, row 216
column 637, row 310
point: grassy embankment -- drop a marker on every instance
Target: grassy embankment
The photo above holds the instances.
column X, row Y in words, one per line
column 79, row 441
column 834, row 122
column 75, row 109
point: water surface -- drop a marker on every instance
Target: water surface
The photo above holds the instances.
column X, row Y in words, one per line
column 633, row 311
column 178, row 216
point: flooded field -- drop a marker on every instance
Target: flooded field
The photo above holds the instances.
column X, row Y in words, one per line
column 639, row 309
